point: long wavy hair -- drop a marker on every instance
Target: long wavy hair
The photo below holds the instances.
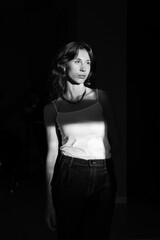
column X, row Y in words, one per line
column 58, row 74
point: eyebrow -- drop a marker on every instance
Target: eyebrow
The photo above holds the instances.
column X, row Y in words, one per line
column 81, row 59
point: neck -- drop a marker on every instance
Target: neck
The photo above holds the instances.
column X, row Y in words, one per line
column 73, row 92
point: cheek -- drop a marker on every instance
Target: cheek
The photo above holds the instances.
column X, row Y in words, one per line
column 88, row 70
column 72, row 71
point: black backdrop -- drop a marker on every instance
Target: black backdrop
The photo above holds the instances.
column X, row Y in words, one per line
column 31, row 33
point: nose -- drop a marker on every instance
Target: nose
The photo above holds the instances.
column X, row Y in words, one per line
column 82, row 68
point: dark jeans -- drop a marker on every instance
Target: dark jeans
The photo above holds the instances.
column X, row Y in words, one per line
column 83, row 195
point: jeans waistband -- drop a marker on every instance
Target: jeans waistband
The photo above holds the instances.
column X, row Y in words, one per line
column 82, row 162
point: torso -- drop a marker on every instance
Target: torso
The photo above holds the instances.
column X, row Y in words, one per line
column 83, row 127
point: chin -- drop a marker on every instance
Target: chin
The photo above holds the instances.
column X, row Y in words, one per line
column 77, row 81
column 80, row 82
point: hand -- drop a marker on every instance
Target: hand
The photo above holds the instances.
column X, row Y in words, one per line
column 50, row 216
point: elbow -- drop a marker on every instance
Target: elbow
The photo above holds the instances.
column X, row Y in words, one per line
column 51, row 157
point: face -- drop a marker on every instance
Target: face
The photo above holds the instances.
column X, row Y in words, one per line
column 79, row 68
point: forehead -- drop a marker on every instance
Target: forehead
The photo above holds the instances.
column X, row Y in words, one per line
column 83, row 54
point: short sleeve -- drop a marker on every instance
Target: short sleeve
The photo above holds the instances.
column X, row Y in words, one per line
column 49, row 114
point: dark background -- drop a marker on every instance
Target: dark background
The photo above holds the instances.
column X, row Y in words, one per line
column 32, row 31
column 125, row 41
column 143, row 102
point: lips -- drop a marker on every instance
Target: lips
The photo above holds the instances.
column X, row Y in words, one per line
column 81, row 76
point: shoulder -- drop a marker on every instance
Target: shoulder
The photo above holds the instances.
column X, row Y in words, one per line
column 101, row 91
column 49, row 112
column 49, row 108
column 90, row 90
column 102, row 95
column 95, row 91
column 99, row 94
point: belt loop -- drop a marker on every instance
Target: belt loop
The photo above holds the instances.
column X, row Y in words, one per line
column 71, row 161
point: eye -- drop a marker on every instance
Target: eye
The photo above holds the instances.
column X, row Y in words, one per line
column 77, row 61
column 88, row 63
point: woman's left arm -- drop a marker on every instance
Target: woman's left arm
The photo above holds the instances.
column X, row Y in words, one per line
column 108, row 114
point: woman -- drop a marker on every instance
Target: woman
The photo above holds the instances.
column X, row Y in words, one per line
column 81, row 140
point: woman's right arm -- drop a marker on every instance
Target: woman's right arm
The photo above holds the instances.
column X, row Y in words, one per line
column 53, row 144
column 52, row 154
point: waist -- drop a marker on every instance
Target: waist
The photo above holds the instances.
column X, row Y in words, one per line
column 84, row 162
